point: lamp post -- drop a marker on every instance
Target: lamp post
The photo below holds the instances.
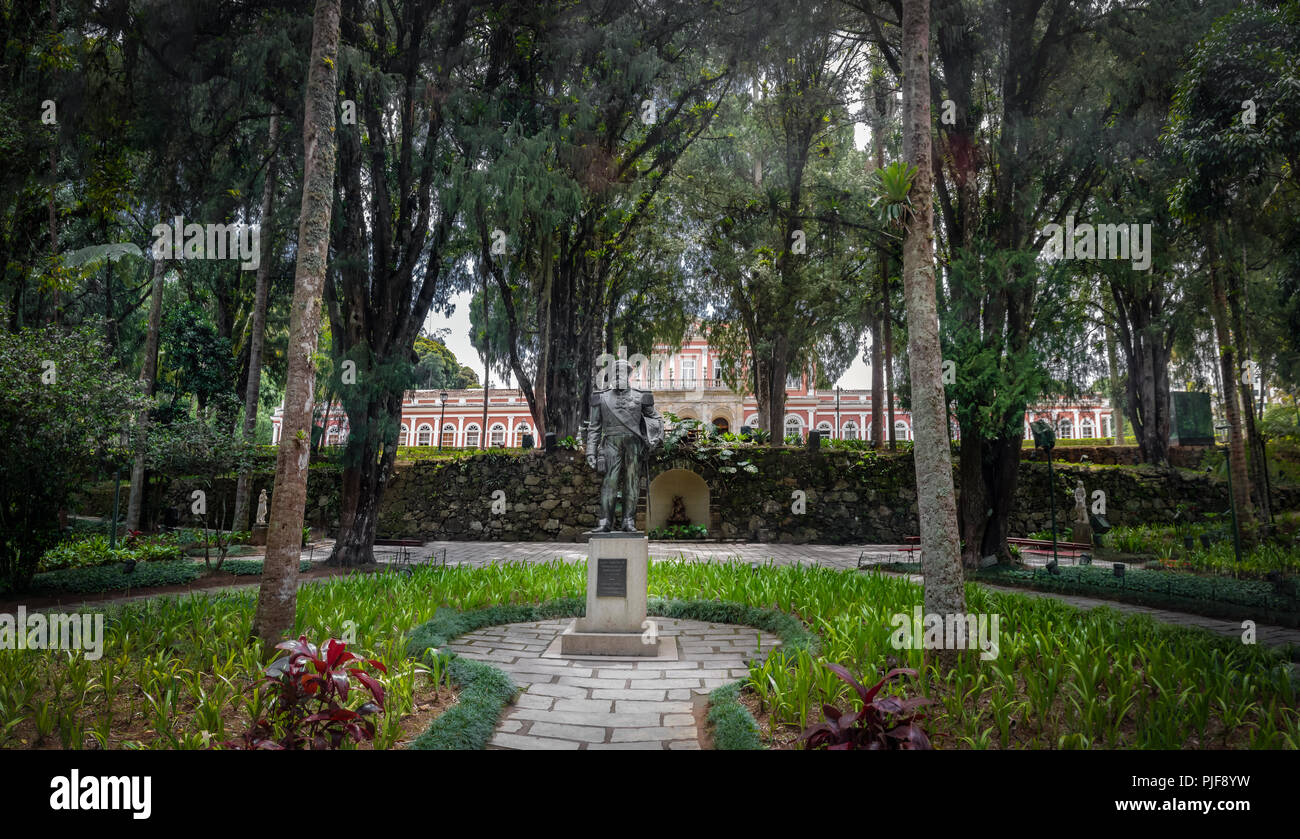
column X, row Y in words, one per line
column 1045, row 439
column 443, row 396
column 1232, row 496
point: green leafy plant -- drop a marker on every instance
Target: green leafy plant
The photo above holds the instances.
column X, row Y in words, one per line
column 892, row 186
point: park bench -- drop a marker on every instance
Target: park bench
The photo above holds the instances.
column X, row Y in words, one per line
column 400, row 551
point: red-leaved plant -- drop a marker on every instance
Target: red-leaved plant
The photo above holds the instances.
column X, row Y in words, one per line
column 883, row 722
column 309, row 687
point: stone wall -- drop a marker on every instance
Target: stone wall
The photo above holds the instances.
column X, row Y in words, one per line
column 847, row 496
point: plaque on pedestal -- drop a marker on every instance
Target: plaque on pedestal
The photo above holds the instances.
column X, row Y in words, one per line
column 615, row 623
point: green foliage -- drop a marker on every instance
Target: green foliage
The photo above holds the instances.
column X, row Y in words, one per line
column 102, row 578
column 1210, row 595
column 181, row 660
column 198, row 360
column 680, row 531
column 67, row 410
column 88, row 550
column 438, row 367
column 892, row 186
column 733, row 726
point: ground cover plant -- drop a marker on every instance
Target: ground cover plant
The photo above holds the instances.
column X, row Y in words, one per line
column 116, row 577
column 1272, row 600
column 177, row 672
column 1212, row 549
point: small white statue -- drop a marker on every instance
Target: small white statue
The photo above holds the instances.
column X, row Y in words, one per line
column 1080, row 504
column 261, row 508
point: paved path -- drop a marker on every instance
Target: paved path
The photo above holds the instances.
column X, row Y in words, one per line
column 596, row 705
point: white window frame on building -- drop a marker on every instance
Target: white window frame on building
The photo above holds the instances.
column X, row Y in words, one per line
column 424, row 434
column 404, row 436
column 793, row 422
column 448, row 436
column 472, row 436
column 497, row 435
column 849, row 431
column 1086, row 429
column 688, row 372
column 520, row 430
column 901, row 430
column 1064, row 429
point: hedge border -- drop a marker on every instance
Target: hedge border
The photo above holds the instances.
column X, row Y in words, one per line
column 486, row 690
column 1219, row 609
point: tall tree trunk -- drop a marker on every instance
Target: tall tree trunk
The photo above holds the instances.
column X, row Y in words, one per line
column 148, row 375
column 888, row 322
column 487, row 363
column 1116, row 392
column 1255, row 462
column 1228, row 369
column 877, row 386
column 936, row 501
column 879, row 360
column 254, row 380
column 278, row 594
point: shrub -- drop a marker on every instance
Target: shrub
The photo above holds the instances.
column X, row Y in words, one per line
column 680, row 531
column 309, row 689
column 62, row 438
column 883, row 722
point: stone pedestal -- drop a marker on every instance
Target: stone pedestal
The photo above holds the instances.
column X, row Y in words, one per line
column 1081, row 533
column 258, row 535
column 616, row 595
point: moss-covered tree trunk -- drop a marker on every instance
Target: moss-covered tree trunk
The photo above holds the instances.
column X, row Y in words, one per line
column 278, row 595
column 936, row 501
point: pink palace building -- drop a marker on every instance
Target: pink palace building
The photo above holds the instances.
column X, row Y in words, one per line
column 687, row 383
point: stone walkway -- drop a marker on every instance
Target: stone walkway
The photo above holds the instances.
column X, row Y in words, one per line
column 584, row 704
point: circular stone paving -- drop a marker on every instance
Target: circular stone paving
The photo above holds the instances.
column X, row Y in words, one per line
column 620, row 704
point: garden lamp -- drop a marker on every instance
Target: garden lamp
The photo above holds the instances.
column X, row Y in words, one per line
column 1232, row 496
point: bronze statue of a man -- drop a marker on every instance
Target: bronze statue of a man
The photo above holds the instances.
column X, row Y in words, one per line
column 624, row 425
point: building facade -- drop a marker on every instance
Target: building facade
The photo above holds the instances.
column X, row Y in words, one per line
column 689, row 383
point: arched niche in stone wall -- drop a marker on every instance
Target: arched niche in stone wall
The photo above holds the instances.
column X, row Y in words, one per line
column 693, row 489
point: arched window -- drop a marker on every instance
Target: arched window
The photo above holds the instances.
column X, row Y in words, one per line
column 448, row 436
column 471, row 436
column 793, row 425
column 520, row 430
column 423, row 435
column 403, row 438
column 722, row 424
column 751, row 421
column 900, row 431
column 1064, row 429
column 332, row 436
column 825, row 428
column 1086, row 428
column 850, row 430
column 497, row 435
